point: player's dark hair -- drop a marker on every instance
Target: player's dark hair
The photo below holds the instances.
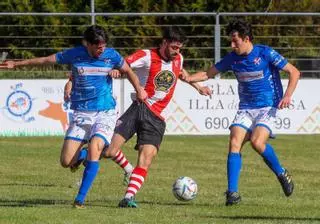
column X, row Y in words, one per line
column 174, row 33
column 95, row 34
column 242, row 27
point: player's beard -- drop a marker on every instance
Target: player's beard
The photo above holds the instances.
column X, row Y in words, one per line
column 169, row 55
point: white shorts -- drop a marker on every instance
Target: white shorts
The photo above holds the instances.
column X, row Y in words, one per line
column 87, row 124
column 251, row 118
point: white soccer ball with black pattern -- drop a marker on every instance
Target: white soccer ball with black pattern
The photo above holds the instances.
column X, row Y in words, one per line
column 185, row 189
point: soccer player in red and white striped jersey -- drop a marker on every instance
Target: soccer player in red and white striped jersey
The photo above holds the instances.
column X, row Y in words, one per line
column 158, row 71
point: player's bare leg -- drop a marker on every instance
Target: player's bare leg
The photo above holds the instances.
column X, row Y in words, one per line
column 69, row 157
column 69, row 153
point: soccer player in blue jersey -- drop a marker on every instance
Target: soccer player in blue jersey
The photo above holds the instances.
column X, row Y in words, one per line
column 256, row 68
column 91, row 99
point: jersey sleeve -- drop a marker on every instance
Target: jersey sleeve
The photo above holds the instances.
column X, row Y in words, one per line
column 225, row 64
column 276, row 59
column 66, row 56
column 138, row 59
column 117, row 59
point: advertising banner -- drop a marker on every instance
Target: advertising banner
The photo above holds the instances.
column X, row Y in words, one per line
column 193, row 114
column 36, row 108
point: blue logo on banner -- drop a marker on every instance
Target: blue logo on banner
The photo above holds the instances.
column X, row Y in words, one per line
column 19, row 104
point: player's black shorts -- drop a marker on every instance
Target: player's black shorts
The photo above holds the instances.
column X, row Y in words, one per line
column 139, row 119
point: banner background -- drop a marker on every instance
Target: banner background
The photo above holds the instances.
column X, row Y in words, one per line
column 36, row 108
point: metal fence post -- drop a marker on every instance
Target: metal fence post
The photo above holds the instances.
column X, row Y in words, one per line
column 93, row 17
column 217, row 41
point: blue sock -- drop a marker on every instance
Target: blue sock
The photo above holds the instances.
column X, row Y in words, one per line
column 89, row 174
column 271, row 159
column 233, row 169
column 83, row 154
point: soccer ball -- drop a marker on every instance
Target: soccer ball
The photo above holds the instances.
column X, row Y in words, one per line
column 185, row 189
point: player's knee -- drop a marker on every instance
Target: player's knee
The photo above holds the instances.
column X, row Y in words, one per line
column 65, row 163
column 257, row 144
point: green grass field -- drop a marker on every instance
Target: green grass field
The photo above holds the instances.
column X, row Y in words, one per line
column 35, row 189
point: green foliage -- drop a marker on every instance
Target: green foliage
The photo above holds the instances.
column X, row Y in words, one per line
column 46, row 35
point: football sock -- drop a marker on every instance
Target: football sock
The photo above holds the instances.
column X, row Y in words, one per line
column 136, row 180
column 233, row 171
column 122, row 161
column 89, row 174
column 83, row 154
column 271, row 159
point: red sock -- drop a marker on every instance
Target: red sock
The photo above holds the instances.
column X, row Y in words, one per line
column 122, row 161
column 136, row 180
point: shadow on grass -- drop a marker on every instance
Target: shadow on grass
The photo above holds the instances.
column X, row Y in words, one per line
column 31, row 202
column 174, row 203
column 258, row 217
column 48, row 202
column 29, row 185
column 105, row 202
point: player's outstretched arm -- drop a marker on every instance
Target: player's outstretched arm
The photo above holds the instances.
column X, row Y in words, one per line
column 294, row 75
column 133, row 78
column 201, row 76
column 203, row 90
column 51, row 59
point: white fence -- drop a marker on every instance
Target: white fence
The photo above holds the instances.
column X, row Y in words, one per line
column 207, row 41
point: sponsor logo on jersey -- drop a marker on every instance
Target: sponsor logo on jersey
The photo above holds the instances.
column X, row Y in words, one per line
column 93, row 70
column 249, row 76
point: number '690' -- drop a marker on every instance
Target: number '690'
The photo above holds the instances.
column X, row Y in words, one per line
column 217, row 123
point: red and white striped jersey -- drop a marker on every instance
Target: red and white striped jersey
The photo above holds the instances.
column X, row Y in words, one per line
column 158, row 77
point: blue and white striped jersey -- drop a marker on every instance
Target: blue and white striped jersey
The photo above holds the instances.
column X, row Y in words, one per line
column 259, row 83
column 91, row 85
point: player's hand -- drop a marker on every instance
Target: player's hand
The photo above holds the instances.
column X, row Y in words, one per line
column 67, row 88
column 67, row 91
column 8, row 64
column 285, row 102
column 141, row 94
column 205, row 91
column 114, row 73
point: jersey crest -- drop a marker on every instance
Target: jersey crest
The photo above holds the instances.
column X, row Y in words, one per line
column 164, row 80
